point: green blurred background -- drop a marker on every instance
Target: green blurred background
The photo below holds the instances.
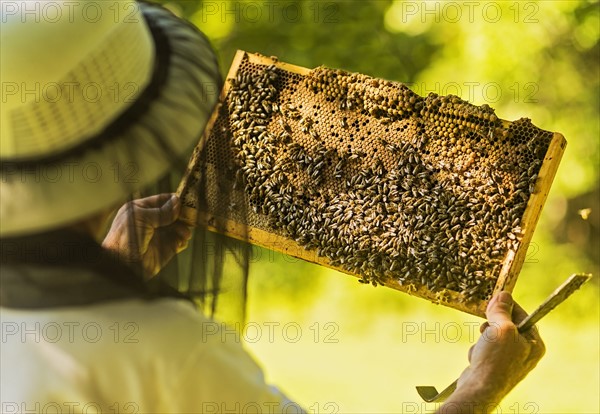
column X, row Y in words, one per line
column 337, row 346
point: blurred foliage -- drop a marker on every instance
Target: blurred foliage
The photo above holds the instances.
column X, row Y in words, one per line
column 525, row 59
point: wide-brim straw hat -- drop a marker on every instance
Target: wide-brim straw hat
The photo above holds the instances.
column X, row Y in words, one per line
column 98, row 99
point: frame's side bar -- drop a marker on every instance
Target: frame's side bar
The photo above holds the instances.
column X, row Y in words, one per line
column 514, row 259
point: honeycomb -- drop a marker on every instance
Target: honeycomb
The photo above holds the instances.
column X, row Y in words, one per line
column 426, row 192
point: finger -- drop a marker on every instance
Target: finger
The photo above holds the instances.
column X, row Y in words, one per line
column 483, row 326
column 165, row 247
column 471, row 352
column 179, row 233
column 182, row 230
column 153, row 201
column 184, row 234
column 531, row 335
column 181, row 246
column 163, row 215
column 499, row 310
column 518, row 313
column 172, row 238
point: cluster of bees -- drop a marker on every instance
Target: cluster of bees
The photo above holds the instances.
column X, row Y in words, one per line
column 428, row 191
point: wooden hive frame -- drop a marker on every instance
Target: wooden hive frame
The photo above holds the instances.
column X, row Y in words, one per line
column 511, row 264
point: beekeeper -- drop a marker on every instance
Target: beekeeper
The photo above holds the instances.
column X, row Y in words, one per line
column 99, row 100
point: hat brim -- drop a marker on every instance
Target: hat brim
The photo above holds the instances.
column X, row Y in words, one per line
column 48, row 195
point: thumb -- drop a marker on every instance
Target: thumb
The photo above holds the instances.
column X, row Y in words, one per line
column 163, row 215
column 500, row 308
